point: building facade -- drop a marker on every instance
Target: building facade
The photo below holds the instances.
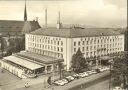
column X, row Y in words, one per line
column 63, row 43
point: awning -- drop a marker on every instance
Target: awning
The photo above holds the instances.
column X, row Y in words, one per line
column 22, row 62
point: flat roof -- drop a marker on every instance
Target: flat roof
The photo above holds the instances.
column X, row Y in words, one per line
column 39, row 58
column 22, row 62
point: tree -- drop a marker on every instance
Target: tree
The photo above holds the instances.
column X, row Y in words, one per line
column 78, row 62
column 120, row 70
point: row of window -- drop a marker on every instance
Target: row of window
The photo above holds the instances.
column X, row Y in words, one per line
column 95, row 42
column 46, row 41
column 43, row 37
column 100, row 49
column 43, row 52
column 102, row 37
column 107, row 46
column 92, row 54
column 46, row 47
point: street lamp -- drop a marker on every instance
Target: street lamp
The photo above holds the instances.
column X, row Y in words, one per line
column 110, row 64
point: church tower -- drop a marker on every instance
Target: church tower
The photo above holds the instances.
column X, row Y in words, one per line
column 25, row 12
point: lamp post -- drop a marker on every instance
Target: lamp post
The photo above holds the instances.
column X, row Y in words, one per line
column 110, row 64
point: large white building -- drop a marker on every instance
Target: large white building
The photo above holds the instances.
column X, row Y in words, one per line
column 46, row 48
column 63, row 43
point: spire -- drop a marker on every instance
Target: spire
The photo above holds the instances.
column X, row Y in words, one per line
column 25, row 12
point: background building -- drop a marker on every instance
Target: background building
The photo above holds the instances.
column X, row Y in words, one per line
column 12, row 32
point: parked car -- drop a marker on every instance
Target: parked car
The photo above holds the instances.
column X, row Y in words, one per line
column 61, row 82
column 107, row 68
column 101, row 69
column 94, row 71
column 85, row 73
column 90, row 72
column 70, row 78
column 82, row 75
column 76, row 76
column 117, row 88
column 97, row 70
column 65, row 81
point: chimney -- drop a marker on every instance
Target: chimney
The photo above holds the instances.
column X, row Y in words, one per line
column 45, row 18
column 37, row 19
column 59, row 24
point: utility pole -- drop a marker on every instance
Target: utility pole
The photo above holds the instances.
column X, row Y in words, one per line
column 110, row 75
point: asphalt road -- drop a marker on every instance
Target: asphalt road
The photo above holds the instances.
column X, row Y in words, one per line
column 104, row 85
column 100, row 84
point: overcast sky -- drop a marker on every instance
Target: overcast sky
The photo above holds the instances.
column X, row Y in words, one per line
column 100, row 13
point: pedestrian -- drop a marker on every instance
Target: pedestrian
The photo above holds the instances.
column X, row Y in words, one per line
column 27, row 85
column 81, row 86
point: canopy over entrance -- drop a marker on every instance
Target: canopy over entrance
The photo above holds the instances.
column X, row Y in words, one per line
column 22, row 62
column 105, row 58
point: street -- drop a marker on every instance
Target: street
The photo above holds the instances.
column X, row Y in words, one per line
column 102, row 84
column 8, row 80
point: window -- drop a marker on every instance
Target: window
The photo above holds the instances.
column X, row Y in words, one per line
column 45, row 46
column 79, row 43
column 48, row 41
column 83, row 49
column 61, row 55
column 57, row 48
column 51, row 47
column 98, row 41
column 61, row 49
column 51, row 42
column 54, row 42
column 74, row 43
column 90, row 47
column 87, row 48
column 87, row 54
column 94, row 41
column 87, row 42
column 54, row 48
column 58, row 43
column 83, row 42
column 61, row 42
column 48, row 47
column 74, row 49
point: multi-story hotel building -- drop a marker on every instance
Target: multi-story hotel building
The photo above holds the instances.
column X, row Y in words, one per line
column 63, row 43
column 46, row 48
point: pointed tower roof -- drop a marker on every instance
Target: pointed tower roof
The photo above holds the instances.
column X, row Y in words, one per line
column 25, row 12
